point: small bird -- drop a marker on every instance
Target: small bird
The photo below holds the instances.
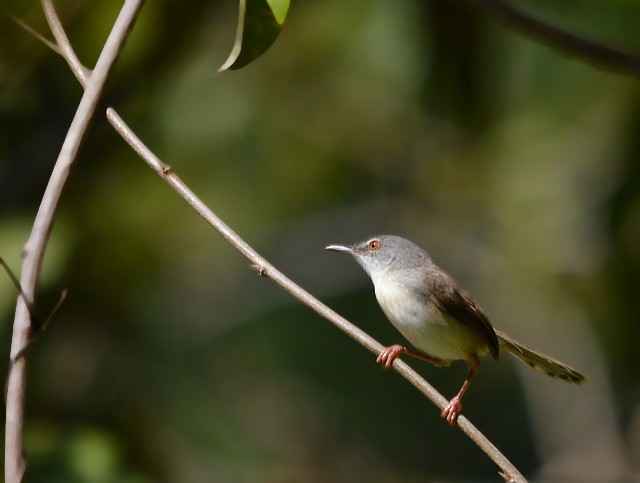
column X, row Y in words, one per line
column 433, row 313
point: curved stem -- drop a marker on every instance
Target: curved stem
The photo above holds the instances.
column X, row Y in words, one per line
column 36, row 245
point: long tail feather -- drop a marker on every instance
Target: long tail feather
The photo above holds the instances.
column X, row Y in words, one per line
column 539, row 361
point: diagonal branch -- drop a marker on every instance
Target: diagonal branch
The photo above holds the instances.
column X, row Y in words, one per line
column 586, row 49
column 262, row 266
column 36, row 245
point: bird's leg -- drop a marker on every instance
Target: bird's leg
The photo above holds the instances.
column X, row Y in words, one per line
column 387, row 356
column 453, row 409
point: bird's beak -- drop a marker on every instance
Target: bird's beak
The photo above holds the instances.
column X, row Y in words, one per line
column 339, row 248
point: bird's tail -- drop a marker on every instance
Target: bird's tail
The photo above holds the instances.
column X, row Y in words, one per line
column 539, row 361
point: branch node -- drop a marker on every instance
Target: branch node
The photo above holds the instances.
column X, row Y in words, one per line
column 260, row 268
column 507, row 478
column 19, row 355
column 166, row 170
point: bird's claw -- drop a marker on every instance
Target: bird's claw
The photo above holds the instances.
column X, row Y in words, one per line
column 452, row 411
column 387, row 356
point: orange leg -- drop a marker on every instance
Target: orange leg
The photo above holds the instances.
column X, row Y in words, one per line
column 387, row 356
column 453, row 409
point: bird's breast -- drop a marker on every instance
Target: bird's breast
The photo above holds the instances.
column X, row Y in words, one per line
column 423, row 323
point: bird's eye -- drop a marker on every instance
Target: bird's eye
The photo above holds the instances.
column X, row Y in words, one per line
column 374, row 245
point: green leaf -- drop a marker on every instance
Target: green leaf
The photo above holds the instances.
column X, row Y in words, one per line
column 259, row 25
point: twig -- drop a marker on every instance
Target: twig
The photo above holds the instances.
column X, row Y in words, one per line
column 64, row 45
column 16, row 283
column 36, row 324
column 588, row 50
column 263, row 267
column 36, row 34
column 35, row 247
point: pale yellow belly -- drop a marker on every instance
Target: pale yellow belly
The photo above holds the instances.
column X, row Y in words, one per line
column 423, row 324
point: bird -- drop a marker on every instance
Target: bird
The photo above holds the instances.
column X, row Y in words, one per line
column 440, row 320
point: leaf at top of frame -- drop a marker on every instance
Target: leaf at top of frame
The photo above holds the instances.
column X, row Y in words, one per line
column 259, row 25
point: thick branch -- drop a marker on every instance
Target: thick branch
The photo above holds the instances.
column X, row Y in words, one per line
column 262, row 266
column 588, row 50
column 35, row 247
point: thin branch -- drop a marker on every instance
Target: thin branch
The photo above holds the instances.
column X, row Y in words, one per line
column 36, row 34
column 35, row 247
column 264, row 268
column 64, row 45
column 588, row 50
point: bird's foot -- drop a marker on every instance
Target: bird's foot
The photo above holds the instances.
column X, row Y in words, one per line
column 452, row 411
column 387, row 356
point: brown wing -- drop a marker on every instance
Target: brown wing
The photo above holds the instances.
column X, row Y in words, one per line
column 455, row 301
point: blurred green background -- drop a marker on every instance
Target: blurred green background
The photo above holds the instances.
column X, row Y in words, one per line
column 516, row 166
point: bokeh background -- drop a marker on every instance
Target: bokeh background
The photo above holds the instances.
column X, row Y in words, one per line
column 515, row 165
